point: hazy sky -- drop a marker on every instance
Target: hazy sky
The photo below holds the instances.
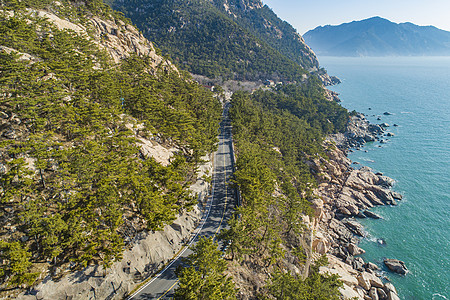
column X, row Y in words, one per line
column 308, row 14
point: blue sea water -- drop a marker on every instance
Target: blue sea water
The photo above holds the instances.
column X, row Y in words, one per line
column 417, row 231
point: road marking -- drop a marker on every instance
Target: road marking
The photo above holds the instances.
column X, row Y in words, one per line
column 168, row 290
column 185, row 248
column 226, row 192
column 198, row 231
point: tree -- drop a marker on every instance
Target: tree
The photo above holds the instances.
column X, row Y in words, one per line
column 203, row 277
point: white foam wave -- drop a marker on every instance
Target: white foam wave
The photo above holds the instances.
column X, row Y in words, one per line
column 439, row 295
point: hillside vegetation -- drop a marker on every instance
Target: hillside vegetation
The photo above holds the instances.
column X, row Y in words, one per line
column 227, row 39
column 74, row 186
column 277, row 133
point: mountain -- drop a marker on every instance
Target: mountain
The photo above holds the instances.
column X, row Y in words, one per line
column 233, row 39
column 378, row 37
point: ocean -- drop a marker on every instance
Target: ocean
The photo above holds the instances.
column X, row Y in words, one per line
column 416, row 90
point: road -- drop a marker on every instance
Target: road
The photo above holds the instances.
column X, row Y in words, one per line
column 219, row 209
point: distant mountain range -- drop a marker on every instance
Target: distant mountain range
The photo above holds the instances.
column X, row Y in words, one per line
column 378, row 37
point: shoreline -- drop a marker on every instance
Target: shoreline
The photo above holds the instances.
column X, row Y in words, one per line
column 344, row 195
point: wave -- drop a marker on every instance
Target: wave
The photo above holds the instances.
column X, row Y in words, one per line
column 438, row 295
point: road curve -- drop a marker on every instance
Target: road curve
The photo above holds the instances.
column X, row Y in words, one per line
column 218, row 210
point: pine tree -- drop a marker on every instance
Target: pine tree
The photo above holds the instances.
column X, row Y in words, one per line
column 203, row 278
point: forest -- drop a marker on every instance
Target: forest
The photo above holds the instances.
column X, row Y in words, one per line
column 74, row 187
column 203, row 40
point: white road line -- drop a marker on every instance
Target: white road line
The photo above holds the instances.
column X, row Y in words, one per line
column 192, row 240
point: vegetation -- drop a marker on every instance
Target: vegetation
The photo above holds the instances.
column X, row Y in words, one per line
column 203, row 278
column 276, row 133
column 204, row 40
column 74, row 186
column 285, row 286
column 262, row 22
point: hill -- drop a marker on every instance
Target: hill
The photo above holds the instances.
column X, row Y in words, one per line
column 232, row 39
column 85, row 101
column 378, row 37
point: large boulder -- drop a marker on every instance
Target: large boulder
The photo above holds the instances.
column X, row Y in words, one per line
column 373, row 294
column 396, row 196
column 363, row 281
column 396, row 266
column 354, row 227
column 355, row 250
column 384, row 195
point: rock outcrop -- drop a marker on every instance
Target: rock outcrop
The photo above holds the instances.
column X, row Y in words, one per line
column 359, row 131
column 396, row 266
column 344, row 195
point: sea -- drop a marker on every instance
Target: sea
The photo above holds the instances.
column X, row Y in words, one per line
column 416, row 92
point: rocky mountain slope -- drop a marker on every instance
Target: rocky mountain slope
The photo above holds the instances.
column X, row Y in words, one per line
column 94, row 154
column 241, row 40
column 378, row 37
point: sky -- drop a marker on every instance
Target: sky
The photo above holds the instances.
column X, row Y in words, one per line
column 308, row 14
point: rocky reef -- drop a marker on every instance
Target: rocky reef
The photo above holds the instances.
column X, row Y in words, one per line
column 345, row 194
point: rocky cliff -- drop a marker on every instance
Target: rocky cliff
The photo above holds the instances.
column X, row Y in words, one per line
column 344, row 195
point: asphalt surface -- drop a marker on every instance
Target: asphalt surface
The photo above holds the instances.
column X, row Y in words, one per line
column 218, row 210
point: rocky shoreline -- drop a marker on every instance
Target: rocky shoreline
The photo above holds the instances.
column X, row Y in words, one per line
column 345, row 194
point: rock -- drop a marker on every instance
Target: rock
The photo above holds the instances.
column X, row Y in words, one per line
column 387, row 113
column 368, row 138
column 373, row 294
column 345, row 211
column 353, row 209
column 389, row 287
column 381, row 242
column 10, row 134
column 396, row 196
column 384, row 125
column 384, row 195
column 348, row 293
column 379, row 119
column 4, row 115
column 395, row 125
column 358, row 264
column 396, row 266
column 372, row 266
column 374, row 280
column 354, row 227
column 390, row 134
column 370, row 214
column 355, row 250
column 3, row 169
column 363, row 281
column 392, row 296
column 382, row 294
column 373, row 198
column 361, row 215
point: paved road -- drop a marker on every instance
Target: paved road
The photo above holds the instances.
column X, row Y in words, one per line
column 218, row 210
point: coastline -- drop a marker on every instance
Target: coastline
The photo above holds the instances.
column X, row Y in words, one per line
column 344, row 195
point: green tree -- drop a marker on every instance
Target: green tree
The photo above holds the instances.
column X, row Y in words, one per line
column 203, row 278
